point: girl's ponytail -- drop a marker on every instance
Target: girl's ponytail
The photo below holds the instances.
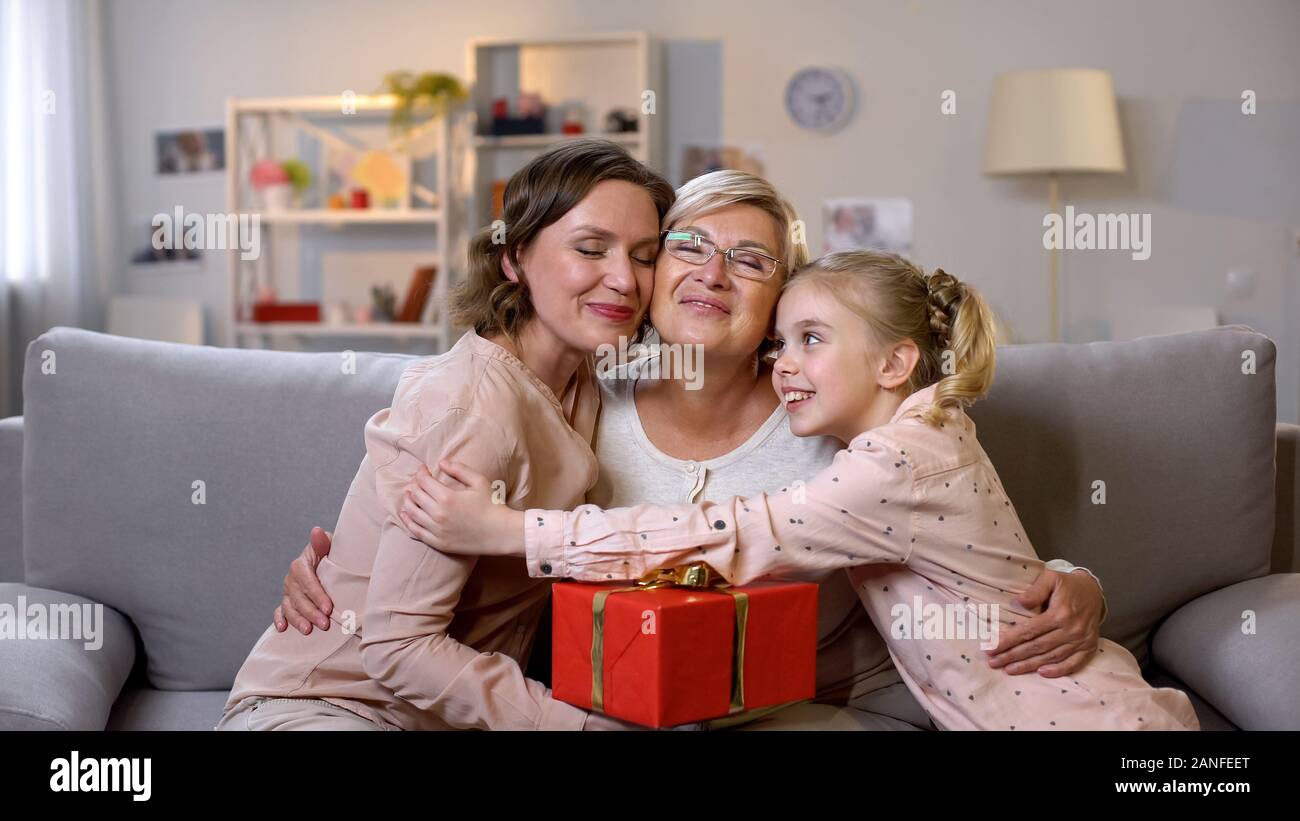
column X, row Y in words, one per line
column 947, row 319
column 961, row 327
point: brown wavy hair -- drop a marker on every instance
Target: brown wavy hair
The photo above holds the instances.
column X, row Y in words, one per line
column 537, row 196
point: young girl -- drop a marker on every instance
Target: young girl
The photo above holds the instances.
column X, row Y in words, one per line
column 880, row 356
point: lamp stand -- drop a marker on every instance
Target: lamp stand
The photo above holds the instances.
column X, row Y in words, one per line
column 1053, row 280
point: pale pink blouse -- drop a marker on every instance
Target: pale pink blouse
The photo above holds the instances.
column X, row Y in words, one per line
column 420, row 639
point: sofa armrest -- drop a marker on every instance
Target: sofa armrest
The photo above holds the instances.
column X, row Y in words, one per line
column 1286, row 534
column 1236, row 647
column 11, row 499
column 63, row 659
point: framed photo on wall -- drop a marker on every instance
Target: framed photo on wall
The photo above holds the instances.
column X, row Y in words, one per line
column 191, row 151
column 881, row 224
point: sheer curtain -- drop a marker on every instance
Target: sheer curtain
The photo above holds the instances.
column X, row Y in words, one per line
column 54, row 169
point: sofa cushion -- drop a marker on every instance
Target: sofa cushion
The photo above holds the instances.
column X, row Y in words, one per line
column 1286, row 538
column 63, row 659
column 1183, row 441
column 1252, row 673
column 118, row 432
column 11, row 499
column 145, row 708
column 1211, row 720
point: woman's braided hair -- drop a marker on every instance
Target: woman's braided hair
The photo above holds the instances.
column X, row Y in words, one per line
column 946, row 319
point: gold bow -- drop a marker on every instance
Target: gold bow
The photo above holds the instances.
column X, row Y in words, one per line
column 697, row 576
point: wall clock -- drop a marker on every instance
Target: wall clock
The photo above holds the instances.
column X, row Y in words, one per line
column 820, row 99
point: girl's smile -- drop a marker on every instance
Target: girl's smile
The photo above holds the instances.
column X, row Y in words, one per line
column 828, row 373
column 795, row 398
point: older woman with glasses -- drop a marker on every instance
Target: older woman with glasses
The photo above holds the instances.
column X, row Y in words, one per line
column 728, row 245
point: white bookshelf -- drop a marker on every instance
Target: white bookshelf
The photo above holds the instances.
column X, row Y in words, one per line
column 598, row 71
column 261, row 128
column 394, row 330
column 632, row 141
column 370, row 216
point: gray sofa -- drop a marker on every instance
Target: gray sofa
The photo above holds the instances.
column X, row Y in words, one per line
column 173, row 484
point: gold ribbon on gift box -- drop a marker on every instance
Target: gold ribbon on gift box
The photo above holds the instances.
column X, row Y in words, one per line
column 697, row 576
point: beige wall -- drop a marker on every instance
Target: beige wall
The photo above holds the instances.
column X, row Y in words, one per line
column 1179, row 67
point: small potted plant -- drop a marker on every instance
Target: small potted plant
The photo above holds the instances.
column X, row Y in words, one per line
column 270, row 180
column 280, row 183
column 431, row 93
column 299, row 178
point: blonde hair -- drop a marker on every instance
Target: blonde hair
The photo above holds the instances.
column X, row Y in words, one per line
column 946, row 318
column 720, row 189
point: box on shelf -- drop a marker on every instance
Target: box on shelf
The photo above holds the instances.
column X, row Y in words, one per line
column 514, row 126
column 286, row 312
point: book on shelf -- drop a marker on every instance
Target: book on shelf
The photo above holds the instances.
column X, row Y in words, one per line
column 498, row 198
column 417, row 294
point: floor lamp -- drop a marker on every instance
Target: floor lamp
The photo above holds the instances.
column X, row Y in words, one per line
column 1053, row 122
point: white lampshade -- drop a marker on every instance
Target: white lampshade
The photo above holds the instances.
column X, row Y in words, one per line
column 1055, row 120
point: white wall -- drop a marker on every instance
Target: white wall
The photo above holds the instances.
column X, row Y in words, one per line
column 1219, row 194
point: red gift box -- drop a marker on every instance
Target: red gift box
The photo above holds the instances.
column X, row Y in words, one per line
column 668, row 654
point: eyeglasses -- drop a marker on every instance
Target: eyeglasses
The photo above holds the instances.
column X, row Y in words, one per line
column 698, row 250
